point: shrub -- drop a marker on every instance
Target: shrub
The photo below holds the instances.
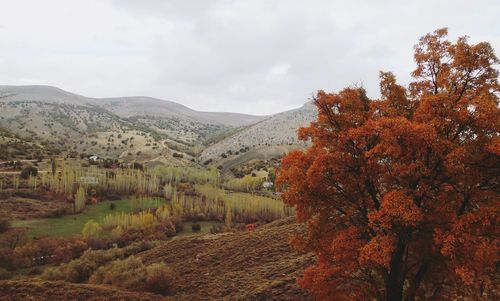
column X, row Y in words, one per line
column 29, row 171
column 47, row 250
column 177, row 155
column 160, row 279
column 217, row 229
column 131, row 273
column 4, row 225
column 81, row 269
column 195, row 227
column 91, row 229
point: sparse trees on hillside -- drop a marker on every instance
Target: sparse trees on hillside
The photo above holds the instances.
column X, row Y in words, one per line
column 401, row 194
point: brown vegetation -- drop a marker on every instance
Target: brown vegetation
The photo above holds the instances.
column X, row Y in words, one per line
column 256, row 265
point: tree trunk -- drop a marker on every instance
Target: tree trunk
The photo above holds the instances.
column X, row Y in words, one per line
column 394, row 282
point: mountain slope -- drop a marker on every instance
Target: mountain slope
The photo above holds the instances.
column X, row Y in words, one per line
column 264, row 137
column 41, row 94
column 111, row 127
column 124, row 106
column 147, row 106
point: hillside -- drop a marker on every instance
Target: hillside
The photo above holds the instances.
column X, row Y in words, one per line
column 22, row 290
column 147, row 106
column 139, row 128
column 145, row 128
column 269, row 137
column 257, row 265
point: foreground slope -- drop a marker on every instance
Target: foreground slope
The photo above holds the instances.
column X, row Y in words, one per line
column 257, row 265
column 21, row 290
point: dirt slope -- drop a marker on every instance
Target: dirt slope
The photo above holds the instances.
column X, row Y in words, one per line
column 259, row 265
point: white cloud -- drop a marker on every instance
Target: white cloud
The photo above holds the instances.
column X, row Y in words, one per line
column 254, row 56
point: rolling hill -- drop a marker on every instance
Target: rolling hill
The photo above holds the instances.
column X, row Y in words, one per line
column 258, row 265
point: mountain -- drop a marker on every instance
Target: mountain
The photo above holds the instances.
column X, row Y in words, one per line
column 270, row 137
column 111, row 127
column 147, row 106
column 41, row 94
column 125, row 106
column 147, row 129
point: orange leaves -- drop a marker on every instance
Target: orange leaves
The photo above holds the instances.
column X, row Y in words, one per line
column 397, row 210
column 378, row 251
column 401, row 194
column 473, row 245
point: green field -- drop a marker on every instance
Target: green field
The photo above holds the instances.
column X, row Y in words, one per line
column 71, row 224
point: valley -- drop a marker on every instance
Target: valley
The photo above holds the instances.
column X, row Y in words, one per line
column 145, row 182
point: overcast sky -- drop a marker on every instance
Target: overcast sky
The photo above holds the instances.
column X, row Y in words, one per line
column 252, row 56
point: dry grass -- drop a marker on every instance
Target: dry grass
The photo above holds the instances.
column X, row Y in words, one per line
column 62, row 291
column 257, row 265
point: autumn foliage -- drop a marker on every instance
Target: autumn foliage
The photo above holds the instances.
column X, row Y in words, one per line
column 401, row 194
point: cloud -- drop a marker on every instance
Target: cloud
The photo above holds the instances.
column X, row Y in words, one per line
column 254, row 56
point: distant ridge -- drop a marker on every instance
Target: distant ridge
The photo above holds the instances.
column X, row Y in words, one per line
column 125, row 106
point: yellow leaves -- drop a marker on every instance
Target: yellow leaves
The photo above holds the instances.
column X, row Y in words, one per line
column 80, row 199
column 141, row 220
column 91, row 229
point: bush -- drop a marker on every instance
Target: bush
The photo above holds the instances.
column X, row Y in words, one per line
column 217, row 229
column 29, row 171
column 129, row 273
column 112, row 206
column 132, row 274
column 160, row 279
column 91, row 229
column 4, row 225
column 46, row 250
column 195, row 227
column 81, row 269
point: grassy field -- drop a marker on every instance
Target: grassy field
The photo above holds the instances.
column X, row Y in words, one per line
column 71, row 224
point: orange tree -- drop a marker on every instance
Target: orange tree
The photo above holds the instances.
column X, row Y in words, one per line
column 401, row 194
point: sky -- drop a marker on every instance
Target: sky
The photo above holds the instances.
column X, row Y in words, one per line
column 247, row 56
